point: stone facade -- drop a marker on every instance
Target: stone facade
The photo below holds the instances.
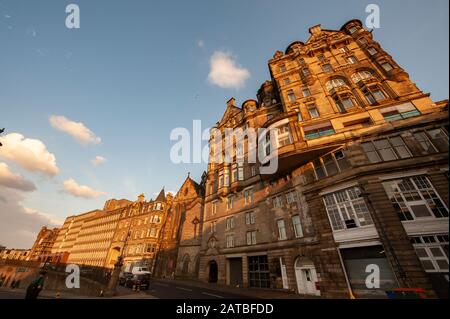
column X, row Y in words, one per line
column 361, row 180
column 42, row 247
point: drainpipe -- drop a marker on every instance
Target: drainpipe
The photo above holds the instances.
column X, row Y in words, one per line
column 347, row 281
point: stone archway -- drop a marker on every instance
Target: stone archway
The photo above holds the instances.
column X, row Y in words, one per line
column 306, row 276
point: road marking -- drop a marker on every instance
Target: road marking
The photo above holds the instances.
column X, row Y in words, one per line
column 164, row 285
column 212, row 295
column 181, row 288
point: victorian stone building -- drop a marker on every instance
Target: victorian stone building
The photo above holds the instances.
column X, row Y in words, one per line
column 361, row 184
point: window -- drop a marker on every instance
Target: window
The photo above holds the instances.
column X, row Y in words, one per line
column 439, row 139
column 415, row 197
column 306, row 72
column 153, row 232
column 234, row 173
column 373, row 95
column 301, row 61
column 283, row 135
column 299, row 116
column 282, row 68
column 230, row 202
column 214, row 207
column 361, row 75
column 240, row 171
column 432, row 252
column 281, row 229
column 291, row 96
column 352, row 60
column 330, row 164
column 212, row 229
column 317, row 131
column 248, row 195
column 251, row 237
column 313, row 112
column 229, row 223
column 277, row 202
column 321, row 58
column 291, row 197
column 352, row 29
column 230, row 241
column 220, row 179
column 327, row 68
column 372, row 51
column 362, row 41
column 226, row 176
column 343, row 49
column 298, row 232
column 346, row 209
column 254, row 170
column 343, row 102
column 306, row 92
column 258, row 272
column 386, row 66
column 250, row 218
column 399, row 112
column 335, row 83
column 286, row 81
column 387, row 149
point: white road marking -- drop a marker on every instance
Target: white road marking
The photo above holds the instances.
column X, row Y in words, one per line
column 181, row 288
column 212, row 295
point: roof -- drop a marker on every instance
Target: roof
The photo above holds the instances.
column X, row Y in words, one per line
column 161, row 197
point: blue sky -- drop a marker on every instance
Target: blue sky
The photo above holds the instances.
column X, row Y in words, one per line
column 137, row 69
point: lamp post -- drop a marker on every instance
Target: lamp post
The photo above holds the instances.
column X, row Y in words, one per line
column 401, row 278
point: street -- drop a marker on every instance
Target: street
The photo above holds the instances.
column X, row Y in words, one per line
column 165, row 289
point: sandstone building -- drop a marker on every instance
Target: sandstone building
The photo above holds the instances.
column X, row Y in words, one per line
column 42, row 247
column 361, row 181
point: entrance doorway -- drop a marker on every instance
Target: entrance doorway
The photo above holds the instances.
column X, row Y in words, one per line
column 235, row 272
column 213, row 272
column 306, row 275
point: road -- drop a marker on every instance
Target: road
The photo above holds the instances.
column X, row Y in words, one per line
column 168, row 290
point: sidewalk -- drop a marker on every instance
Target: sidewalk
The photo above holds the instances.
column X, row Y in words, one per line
column 256, row 293
column 122, row 293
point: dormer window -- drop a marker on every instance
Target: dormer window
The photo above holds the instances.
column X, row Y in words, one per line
column 352, row 29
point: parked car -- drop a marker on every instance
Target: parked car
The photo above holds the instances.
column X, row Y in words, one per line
column 123, row 277
column 142, row 281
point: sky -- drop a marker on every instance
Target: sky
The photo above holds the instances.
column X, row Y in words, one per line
column 88, row 112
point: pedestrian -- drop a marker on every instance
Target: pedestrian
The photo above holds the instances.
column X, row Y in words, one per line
column 36, row 286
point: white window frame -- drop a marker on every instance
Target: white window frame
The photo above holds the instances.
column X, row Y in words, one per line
column 298, row 231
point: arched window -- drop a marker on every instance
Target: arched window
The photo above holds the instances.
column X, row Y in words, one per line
column 361, row 75
column 335, row 83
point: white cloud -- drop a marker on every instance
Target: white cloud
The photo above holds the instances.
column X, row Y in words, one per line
column 98, row 160
column 77, row 130
column 225, row 72
column 11, row 180
column 201, row 44
column 20, row 226
column 73, row 188
column 29, row 153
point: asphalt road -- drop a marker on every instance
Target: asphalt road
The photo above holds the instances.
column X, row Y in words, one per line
column 169, row 290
